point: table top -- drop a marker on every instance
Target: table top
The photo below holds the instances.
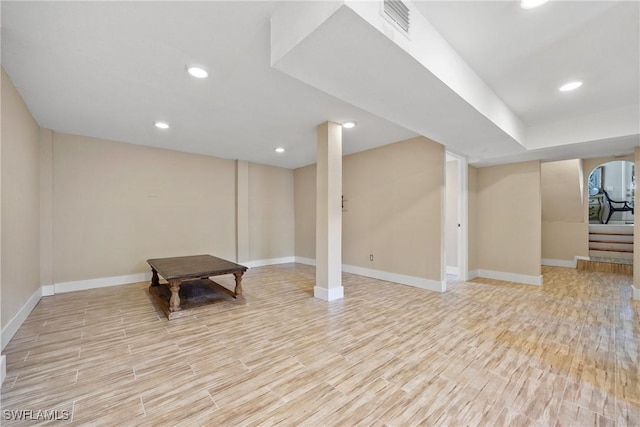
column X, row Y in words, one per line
column 195, row 266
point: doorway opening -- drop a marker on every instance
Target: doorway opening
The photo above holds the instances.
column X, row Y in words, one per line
column 611, row 212
column 455, row 257
column 612, row 193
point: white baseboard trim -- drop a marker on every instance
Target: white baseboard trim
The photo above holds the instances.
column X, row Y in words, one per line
column 3, row 368
column 48, row 290
column 14, row 324
column 636, row 293
column 330, row 294
column 307, row 261
column 472, row 274
column 511, row 277
column 559, row 263
column 83, row 285
column 418, row 282
column 272, row 261
column 453, row 270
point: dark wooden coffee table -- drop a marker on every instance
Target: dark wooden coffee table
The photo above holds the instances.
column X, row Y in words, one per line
column 189, row 286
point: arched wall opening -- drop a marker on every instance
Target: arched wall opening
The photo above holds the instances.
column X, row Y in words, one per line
column 611, row 190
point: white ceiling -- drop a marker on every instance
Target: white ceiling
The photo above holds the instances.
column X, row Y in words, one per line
column 109, row 69
column 525, row 55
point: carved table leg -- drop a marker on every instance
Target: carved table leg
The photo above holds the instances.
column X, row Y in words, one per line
column 174, row 302
column 155, row 281
column 238, row 291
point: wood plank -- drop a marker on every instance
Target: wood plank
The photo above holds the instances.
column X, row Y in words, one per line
column 605, row 267
column 483, row 353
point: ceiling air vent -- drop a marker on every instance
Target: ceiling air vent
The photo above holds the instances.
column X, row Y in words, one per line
column 398, row 12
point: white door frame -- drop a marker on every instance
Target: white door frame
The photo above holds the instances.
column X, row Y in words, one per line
column 463, row 216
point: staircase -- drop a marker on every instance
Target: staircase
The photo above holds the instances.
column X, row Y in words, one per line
column 610, row 249
column 611, row 241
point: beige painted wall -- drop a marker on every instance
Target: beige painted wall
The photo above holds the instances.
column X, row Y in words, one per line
column 562, row 195
column 451, row 214
column 564, row 228
column 271, row 212
column 20, row 217
column 473, row 218
column 394, row 211
column 305, row 211
column 395, row 199
column 116, row 205
column 509, row 220
column 565, row 240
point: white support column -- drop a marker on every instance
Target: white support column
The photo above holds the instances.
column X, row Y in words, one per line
column 329, row 213
column 242, row 211
column 463, row 212
column 46, row 212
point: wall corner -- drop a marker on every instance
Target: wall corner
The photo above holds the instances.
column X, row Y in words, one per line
column 3, row 368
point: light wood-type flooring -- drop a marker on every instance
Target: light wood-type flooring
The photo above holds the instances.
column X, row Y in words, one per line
column 483, row 353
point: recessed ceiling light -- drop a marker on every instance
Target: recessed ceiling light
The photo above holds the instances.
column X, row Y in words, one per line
column 530, row 4
column 198, row 72
column 279, row 150
column 161, row 125
column 570, row 86
column 349, row 125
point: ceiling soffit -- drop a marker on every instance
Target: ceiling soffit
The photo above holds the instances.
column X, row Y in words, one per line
column 349, row 50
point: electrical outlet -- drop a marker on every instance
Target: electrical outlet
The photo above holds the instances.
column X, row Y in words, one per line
column 370, row 257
